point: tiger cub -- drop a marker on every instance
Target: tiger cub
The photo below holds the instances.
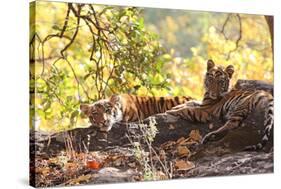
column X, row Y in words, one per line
column 233, row 106
column 127, row 108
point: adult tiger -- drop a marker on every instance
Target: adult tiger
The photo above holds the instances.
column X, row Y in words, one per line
column 128, row 108
column 234, row 105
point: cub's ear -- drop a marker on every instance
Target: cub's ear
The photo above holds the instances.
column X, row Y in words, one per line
column 210, row 64
column 115, row 100
column 85, row 108
column 230, row 70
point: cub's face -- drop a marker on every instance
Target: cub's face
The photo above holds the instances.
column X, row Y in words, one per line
column 103, row 113
column 217, row 79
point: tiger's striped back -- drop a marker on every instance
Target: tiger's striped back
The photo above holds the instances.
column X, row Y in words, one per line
column 136, row 108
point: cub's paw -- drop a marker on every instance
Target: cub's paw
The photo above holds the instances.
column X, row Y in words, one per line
column 212, row 136
column 174, row 112
column 178, row 107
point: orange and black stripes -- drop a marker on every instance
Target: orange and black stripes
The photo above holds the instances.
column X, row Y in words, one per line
column 105, row 113
column 140, row 107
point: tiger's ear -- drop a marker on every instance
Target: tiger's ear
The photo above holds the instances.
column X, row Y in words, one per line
column 115, row 100
column 210, row 64
column 230, row 70
column 85, row 108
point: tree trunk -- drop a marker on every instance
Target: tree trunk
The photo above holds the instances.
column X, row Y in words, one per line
column 270, row 23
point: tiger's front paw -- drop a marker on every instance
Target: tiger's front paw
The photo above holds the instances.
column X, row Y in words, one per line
column 172, row 111
column 175, row 112
column 212, row 136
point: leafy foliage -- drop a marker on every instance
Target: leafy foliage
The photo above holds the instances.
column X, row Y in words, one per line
column 83, row 52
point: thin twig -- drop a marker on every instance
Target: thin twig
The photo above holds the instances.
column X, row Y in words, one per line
column 65, row 21
column 77, row 28
column 238, row 39
column 224, row 25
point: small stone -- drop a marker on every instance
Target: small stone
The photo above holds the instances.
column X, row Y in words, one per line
column 171, row 127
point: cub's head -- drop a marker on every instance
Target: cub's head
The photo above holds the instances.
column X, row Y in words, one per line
column 104, row 113
column 217, row 79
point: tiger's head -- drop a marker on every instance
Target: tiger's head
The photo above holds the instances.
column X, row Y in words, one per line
column 104, row 113
column 217, row 79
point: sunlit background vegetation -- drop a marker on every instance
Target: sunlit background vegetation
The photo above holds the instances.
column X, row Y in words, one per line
column 82, row 53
